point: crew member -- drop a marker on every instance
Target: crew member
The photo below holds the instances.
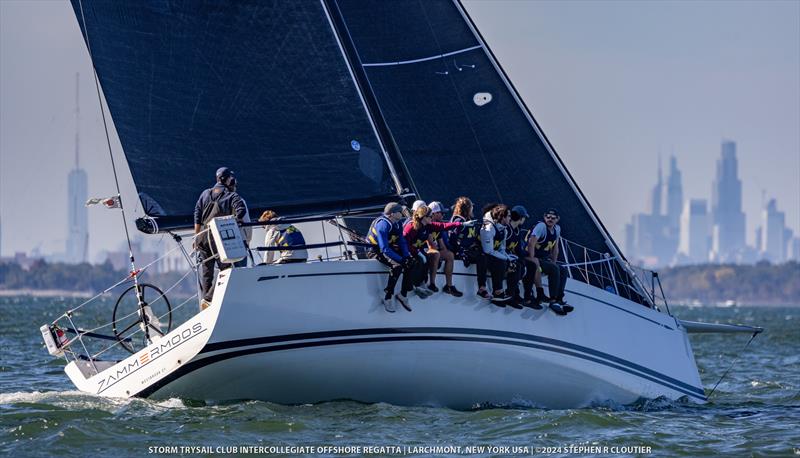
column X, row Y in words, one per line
column 213, row 202
column 286, row 236
column 493, row 242
column 419, row 234
column 545, row 237
column 390, row 248
column 465, row 241
column 514, row 246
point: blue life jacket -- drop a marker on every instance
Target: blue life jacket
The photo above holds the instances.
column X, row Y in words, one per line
column 290, row 237
column 462, row 238
column 499, row 235
column 420, row 242
column 395, row 233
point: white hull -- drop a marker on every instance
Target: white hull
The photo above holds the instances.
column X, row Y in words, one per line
column 304, row 333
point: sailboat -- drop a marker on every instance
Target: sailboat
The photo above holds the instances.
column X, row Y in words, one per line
column 327, row 110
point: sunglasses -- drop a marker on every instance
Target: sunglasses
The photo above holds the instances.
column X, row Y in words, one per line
column 554, row 217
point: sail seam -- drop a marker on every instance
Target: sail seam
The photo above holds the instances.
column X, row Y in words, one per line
column 424, row 59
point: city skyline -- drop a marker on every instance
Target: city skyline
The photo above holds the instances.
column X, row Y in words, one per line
column 707, row 228
column 610, row 105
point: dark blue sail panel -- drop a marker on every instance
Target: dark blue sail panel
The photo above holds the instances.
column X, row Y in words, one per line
column 259, row 86
column 452, row 145
column 454, row 120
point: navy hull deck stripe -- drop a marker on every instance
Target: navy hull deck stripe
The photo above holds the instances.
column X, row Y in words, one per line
column 358, row 336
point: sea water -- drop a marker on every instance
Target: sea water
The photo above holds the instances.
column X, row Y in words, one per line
column 754, row 410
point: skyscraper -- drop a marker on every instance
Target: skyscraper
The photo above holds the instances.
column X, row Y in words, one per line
column 773, row 232
column 652, row 238
column 674, row 195
column 693, row 247
column 656, row 193
column 726, row 207
column 77, row 193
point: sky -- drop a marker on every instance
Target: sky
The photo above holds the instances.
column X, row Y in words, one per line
column 614, row 85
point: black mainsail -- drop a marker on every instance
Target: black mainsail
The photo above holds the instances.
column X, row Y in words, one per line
column 258, row 86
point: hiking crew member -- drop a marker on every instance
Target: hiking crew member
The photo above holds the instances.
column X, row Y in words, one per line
column 514, row 246
column 533, row 275
column 213, row 202
column 419, row 234
column 545, row 237
column 493, row 242
column 283, row 235
column 465, row 241
column 390, row 248
column 441, row 240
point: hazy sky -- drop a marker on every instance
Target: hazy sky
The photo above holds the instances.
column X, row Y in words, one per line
column 613, row 84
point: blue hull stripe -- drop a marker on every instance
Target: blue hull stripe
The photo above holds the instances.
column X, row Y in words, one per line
column 357, row 336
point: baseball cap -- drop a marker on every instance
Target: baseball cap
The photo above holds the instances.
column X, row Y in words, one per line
column 436, row 206
column 551, row 211
column 392, row 207
column 417, row 204
column 224, row 172
column 521, row 211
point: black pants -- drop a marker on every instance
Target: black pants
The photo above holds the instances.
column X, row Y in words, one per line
column 205, row 253
column 395, row 270
column 476, row 256
column 556, row 277
column 497, row 268
column 529, row 278
column 513, row 277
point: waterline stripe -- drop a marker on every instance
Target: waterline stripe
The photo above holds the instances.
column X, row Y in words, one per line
column 414, row 61
column 609, row 360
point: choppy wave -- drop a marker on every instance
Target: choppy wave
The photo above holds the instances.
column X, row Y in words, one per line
column 755, row 408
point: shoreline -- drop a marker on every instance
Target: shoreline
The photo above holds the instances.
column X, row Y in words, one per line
column 45, row 293
column 691, row 303
column 60, row 293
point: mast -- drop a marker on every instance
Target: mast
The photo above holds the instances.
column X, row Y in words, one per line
column 339, row 28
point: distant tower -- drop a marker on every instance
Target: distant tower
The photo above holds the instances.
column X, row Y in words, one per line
column 773, row 233
column 694, row 231
column 655, row 194
column 674, row 193
column 77, row 194
column 726, row 207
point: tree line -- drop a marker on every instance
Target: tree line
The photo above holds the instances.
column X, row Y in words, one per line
column 761, row 283
column 91, row 278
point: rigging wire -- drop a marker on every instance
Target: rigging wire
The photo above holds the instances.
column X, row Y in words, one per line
column 108, row 142
column 735, row 360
